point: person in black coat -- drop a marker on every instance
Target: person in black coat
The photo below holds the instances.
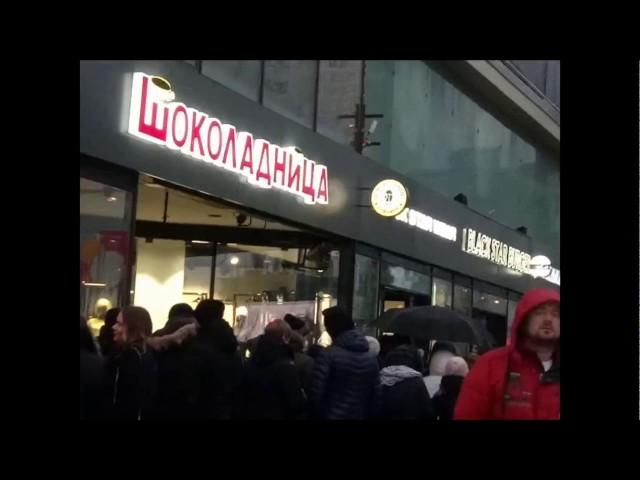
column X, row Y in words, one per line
column 180, row 314
column 105, row 337
column 314, row 350
column 404, row 394
column 131, row 372
column 271, row 388
column 444, row 401
column 346, row 380
column 213, row 327
column 212, row 363
column 176, row 379
column 302, row 361
column 91, row 375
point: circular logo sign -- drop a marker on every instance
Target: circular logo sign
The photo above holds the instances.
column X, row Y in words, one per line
column 539, row 266
column 389, row 198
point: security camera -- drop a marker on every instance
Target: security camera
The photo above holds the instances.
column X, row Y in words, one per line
column 373, row 127
column 241, row 218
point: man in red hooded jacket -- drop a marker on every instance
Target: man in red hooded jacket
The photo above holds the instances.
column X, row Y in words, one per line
column 522, row 380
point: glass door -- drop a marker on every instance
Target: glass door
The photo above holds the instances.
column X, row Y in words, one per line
column 105, row 229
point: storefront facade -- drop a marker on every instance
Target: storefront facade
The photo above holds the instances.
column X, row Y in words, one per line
column 155, row 123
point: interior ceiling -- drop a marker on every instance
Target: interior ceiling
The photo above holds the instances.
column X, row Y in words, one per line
column 290, row 254
column 189, row 209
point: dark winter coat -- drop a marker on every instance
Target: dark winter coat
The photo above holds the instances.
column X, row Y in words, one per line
column 220, row 336
column 404, row 395
column 91, row 385
column 271, row 388
column 106, row 342
column 176, row 379
column 444, row 401
column 346, row 380
column 304, row 366
column 131, row 384
column 302, row 361
column 211, row 369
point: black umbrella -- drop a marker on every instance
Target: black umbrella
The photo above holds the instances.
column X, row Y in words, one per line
column 432, row 322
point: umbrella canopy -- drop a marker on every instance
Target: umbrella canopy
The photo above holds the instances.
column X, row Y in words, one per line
column 432, row 322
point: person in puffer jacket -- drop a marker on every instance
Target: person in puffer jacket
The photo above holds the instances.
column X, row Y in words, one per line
column 404, row 394
column 346, row 380
column 522, row 380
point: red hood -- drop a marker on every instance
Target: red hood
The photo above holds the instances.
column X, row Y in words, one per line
column 529, row 301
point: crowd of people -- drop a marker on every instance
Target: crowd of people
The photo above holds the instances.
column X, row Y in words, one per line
column 194, row 368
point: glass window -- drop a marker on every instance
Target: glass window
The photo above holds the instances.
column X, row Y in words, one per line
column 490, row 307
column 170, row 272
column 462, row 295
column 105, row 220
column 442, row 292
column 400, row 277
column 338, row 93
column 489, row 300
column 242, row 76
column 365, row 291
column 259, row 284
column 289, row 89
column 198, row 265
column 159, row 282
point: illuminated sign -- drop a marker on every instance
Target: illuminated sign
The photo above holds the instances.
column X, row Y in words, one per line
column 483, row 246
column 540, row 266
column 554, row 276
column 389, row 198
column 428, row 224
column 155, row 117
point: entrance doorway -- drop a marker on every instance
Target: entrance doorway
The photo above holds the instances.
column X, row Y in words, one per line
column 396, row 298
column 190, row 247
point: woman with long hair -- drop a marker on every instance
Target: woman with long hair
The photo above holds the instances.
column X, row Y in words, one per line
column 132, row 370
